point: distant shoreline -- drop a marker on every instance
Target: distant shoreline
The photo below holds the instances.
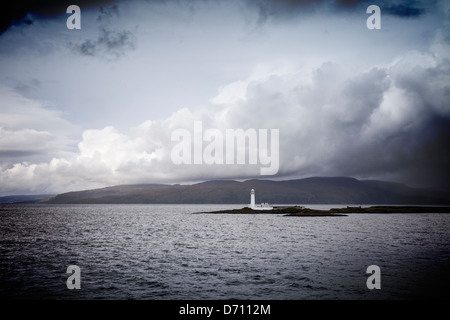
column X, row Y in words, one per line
column 297, row 211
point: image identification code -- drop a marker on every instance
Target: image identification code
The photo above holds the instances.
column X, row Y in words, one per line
column 231, row 309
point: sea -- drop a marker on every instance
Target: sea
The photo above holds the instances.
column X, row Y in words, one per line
column 170, row 252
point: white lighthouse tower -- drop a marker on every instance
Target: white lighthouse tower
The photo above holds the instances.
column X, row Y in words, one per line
column 252, row 199
column 254, row 206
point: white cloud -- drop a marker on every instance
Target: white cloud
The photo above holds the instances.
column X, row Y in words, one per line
column 24, row 140
column 236, row 91
column 33, row 128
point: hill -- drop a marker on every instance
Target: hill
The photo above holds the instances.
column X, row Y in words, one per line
column 335, row 190
column 25, row 198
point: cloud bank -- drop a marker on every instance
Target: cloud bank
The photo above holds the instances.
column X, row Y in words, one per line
column 388, row 120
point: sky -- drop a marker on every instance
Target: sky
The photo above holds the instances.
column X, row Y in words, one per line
column 97, row 106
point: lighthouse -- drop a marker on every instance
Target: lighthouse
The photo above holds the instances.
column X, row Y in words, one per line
column 254, row 206
column 252, row 198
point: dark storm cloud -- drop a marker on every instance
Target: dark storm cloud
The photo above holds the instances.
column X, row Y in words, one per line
column 433, row 154
column 349, row 3
column 106, row 13
column 400, row 8
column 27, row 85
column 404, row 11
column 288, row 8
column 412, row 145
column 284, row 8
column 391, row 123
column 417, row 155
column 24, row 12
column 109, row 42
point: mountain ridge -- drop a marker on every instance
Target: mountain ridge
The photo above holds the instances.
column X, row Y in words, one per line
column 313, row 190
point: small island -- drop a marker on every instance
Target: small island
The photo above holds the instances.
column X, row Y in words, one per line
column 287, row 211
column 392, row 209
column 300, row 211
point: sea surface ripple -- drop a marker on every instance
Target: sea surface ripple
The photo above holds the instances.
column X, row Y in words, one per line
column 167, row 252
